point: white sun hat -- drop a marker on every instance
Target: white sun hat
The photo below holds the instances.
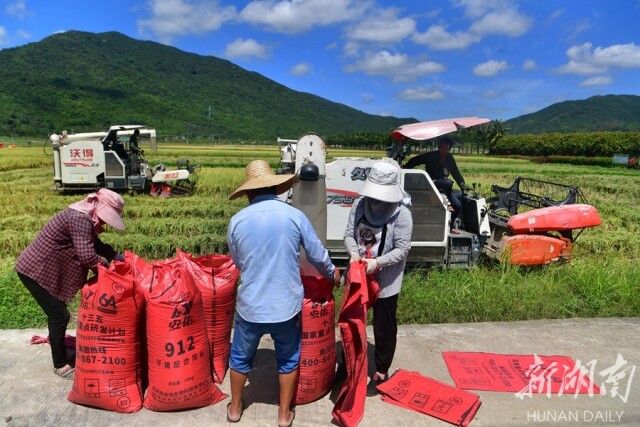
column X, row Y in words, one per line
column 383, row 183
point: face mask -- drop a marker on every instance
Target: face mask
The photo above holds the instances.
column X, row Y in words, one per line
column 378, row 207
column 98, row 228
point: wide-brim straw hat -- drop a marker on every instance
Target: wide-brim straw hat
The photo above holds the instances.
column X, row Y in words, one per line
column 258, row 174
column 383, row 183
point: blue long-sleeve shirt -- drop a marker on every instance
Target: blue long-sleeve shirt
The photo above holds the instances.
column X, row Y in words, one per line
column 264, row 242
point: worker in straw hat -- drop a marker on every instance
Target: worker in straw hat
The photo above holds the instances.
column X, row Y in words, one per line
column 55, row 265
column 379, row 233
column 264, row 242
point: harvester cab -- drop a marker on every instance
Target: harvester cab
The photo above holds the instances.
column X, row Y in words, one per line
column 89, row 161
column 326, row 191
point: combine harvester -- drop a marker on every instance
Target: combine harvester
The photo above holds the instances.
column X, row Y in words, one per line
column 90, row 161
column 326, row 191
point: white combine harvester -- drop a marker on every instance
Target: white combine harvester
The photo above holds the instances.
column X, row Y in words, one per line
column 89, row 161
column 326, row 191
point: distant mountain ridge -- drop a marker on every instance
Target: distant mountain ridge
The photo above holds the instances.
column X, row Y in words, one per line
column 85, row 82
column 80, row 81
column 595, row 114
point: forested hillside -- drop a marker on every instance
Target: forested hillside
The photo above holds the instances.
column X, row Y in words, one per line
column 83, row 81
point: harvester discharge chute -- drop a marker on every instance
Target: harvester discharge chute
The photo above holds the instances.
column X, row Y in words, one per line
column 533, row 222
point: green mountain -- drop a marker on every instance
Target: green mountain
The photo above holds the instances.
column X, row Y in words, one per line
column 82, row 81
column 595, row 114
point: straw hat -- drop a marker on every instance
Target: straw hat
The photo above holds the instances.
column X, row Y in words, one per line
column 258, row 174
column 383, row 183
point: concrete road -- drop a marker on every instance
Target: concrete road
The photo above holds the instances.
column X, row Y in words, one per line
column 30, row 395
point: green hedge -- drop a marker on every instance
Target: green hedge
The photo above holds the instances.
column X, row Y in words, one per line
column 594, row 144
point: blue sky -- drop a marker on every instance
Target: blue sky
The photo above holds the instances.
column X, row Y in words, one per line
column 428, row 59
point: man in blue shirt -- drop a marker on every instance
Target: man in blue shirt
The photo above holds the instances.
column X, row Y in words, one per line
column 264, row 242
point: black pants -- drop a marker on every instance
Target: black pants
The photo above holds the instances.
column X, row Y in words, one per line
column 385, row 331
column 57, row 318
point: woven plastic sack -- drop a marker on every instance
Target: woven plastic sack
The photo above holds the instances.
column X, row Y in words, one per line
column 108, row 369
column 216, row 276
column 318, row 351
column 178, row 348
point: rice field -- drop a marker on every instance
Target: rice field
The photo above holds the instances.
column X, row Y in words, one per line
column 602, row 280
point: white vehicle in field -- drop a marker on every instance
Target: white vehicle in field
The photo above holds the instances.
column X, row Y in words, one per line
column 326, row 191
column 89, row 161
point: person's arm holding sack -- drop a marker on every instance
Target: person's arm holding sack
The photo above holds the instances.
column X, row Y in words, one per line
column 315, row 251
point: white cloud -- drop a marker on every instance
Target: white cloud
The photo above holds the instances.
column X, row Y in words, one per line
column 399, row 67
column 23, row 34
column 575, row 31
column 18, row 9
column 585, row 60
column 529, row 64
column 385, row 27
column 300, row 69
column 490, row 17
column 491, row 93
column 173, row 18
column 554, row 16
column 477, row 8
column 248, row 48
column 3, row 36
column 421, row 94
column 297, row 16
column 508, row 22
column 597, row 81
column 438, row 38
column 490, row 68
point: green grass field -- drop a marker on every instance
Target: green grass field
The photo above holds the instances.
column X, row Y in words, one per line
column 601, row 281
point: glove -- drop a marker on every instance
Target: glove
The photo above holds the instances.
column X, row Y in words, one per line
column 355, row 256
column 337, row 278
column 465, row 187
column 372, row 265
column 118, row 257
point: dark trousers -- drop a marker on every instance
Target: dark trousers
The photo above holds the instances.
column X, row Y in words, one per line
column 57, row 318
column 385, row 331
column 446, row 185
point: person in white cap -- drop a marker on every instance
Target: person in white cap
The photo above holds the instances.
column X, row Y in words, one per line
column 379, row 232
column 264, row 242
column 56, row 264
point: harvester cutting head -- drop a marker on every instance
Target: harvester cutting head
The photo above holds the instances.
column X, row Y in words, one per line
column 533, row 221
column 171, row 183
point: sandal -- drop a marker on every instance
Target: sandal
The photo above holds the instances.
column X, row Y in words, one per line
column 65, row 372
column 293, row 411
column 229, row 420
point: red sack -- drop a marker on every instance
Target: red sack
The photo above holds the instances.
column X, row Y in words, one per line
column 318, row 350
column 411, row 390
column 141, row 270
column 179, row 366
column 216, row 276
column 349, row 407
column 108, row 370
